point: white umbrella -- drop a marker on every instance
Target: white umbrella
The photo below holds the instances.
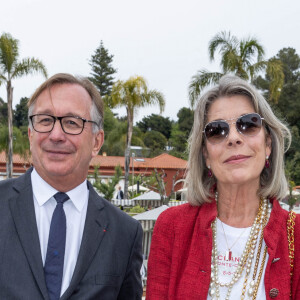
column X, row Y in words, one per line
column 134, row 188
column 294, row 193
column 182, row 190
column 151, row 214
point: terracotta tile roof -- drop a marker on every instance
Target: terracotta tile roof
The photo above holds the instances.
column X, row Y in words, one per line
column 163, row 161
column 167, row 161
column 17, row 159
column 112, row 161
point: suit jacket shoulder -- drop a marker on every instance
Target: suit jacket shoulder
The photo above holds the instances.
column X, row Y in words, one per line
column 109, row 259
column 110, row 256
column 11, row 187
column 21, row 272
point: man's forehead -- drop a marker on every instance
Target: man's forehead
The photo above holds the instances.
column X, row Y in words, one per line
column 64, row 98
column 65, row 88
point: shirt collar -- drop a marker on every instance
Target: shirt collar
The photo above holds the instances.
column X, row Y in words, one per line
column 43, row 191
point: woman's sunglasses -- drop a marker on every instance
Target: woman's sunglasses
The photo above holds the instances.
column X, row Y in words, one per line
column 248, row 125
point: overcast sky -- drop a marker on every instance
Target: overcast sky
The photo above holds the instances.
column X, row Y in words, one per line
column 164, row 41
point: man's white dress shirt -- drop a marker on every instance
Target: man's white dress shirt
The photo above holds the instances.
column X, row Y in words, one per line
column 75, row 209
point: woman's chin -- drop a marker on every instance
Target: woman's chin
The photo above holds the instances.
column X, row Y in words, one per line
column 239, row 178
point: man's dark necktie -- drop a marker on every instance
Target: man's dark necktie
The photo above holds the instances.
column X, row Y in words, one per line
column 54, row 263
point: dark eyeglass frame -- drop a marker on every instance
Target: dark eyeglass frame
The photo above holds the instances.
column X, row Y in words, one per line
column 228, row 124
column 60, row 121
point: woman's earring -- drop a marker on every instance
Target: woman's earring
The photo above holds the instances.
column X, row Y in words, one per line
column 267, row 164
column 210, row 174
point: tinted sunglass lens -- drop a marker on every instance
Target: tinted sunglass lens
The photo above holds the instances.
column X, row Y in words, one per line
column 216, row 132
column 249, row 124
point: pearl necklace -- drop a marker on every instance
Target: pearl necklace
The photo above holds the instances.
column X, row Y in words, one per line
column 246, row 259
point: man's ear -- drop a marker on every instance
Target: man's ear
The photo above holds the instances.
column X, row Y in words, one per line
column 29, row 136
column 98, row 142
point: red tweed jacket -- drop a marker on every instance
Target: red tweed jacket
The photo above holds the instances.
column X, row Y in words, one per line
column 179, row 265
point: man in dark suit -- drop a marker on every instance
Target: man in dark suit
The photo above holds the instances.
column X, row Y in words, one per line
column 58, row 238
column 120, row 194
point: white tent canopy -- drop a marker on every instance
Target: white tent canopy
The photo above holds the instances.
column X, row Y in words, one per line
column 148, row 196
column 150, row 199
column 134, row 188
column 151, row 214
column 294, row 193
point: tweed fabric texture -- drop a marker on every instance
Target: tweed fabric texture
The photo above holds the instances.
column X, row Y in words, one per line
column 179, row 265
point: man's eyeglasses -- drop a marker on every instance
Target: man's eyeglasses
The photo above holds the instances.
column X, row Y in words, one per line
column 70, row 124
column 248, row 125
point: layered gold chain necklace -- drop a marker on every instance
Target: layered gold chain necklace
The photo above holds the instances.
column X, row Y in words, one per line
column 247, row 258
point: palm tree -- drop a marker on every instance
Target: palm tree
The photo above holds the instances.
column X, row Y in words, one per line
column 21, row 143
column 11, row 68
column 133, row 94
column 115, row 139
column 244, row 58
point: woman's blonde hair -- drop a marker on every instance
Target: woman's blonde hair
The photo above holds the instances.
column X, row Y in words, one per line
column 273, row 182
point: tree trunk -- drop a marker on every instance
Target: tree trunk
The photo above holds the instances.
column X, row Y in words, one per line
column 127, row 151
column 161, row 184
column 173, row 185
column 9, row 90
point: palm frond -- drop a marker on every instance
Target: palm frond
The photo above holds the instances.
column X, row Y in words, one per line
column 224, row 41
column 199, row 82
column 229, row 61
column 2, row 79
column 276, row 75
column 118, row 95
column 9, row 52
column 29, row 66
column 153, row 97
column 256, row 68
column 249, row 48
column 134, row 93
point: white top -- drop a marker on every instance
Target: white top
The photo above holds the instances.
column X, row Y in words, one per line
column 238, row 238
column 75, row 210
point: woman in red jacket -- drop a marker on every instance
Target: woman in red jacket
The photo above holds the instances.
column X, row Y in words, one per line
column 231, row 240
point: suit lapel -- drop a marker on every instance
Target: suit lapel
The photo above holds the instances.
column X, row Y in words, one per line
column 23, row 213
column 95, row 227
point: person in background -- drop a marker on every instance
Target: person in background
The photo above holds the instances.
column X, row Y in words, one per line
column 232, row 240
column 58, row 238
column 120, row 194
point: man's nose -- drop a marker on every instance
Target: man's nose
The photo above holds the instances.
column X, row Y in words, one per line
column 57, row 132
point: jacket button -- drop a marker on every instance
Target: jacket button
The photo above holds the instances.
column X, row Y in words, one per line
column 274, row 293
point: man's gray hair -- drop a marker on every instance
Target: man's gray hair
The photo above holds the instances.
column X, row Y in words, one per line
column 97, row 110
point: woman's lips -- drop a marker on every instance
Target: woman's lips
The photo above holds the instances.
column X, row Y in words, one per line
column 236, row 159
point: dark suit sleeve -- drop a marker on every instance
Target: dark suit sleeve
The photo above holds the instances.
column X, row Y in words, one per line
column 132, row 285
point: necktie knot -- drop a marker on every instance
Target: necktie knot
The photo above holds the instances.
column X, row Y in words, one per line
column 61, row 197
